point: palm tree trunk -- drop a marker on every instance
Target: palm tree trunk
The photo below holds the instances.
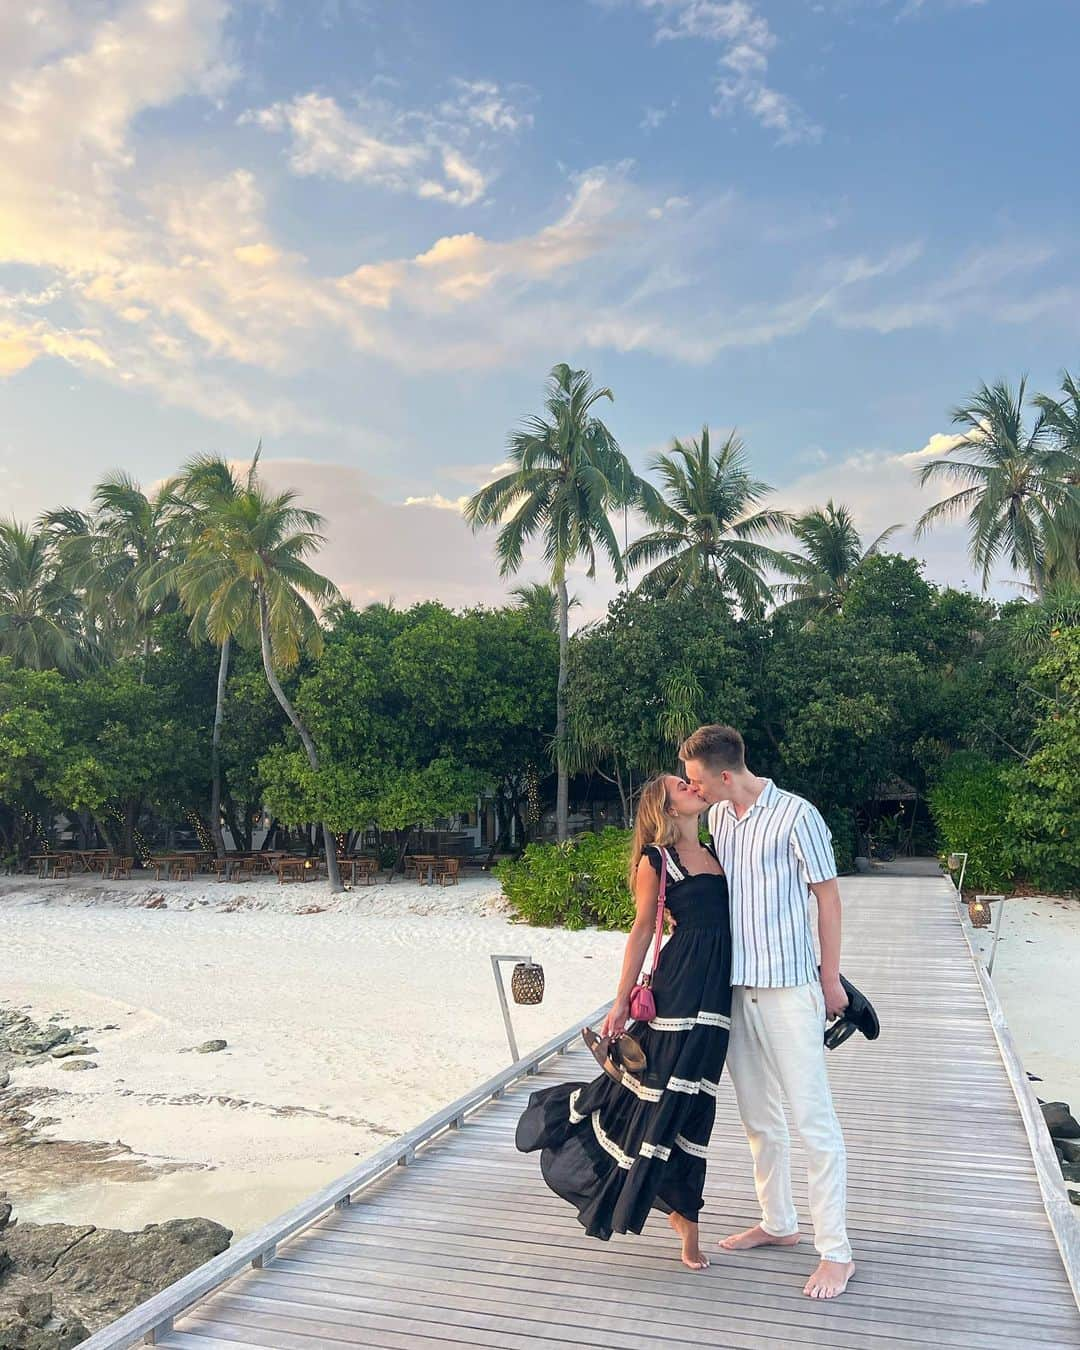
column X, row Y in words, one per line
column 562, row 797
column 215, row 751
column 332, row 872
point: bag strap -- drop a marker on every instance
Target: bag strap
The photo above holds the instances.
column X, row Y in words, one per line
column 661, row 900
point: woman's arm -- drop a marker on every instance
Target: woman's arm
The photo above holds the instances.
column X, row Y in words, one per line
column 646, row 893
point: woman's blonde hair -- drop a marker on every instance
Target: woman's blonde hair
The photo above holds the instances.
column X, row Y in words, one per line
column 653, row 824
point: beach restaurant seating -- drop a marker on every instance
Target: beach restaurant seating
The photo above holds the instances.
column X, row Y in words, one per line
column 447, row 871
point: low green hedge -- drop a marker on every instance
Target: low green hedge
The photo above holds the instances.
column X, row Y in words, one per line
column 970, row 806
column 582, row 883
column 572, row 885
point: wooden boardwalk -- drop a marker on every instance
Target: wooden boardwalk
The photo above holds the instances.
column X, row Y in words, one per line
column 467, row 1247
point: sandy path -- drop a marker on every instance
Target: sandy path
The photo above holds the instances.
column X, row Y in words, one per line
column 343, row 1029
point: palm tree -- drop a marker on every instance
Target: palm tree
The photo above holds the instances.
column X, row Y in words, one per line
column 1012, row 480
column 541, row 600
column 1063, row 533
column 832, row 554
column 246, row 557
column 114, row 555
column 568, row 474
column 207, row 484
column 40, row 618
column 705, row 524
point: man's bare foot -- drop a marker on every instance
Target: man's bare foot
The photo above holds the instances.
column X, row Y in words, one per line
column 692, row 1255
column 830, row 1279
column 757, row 1237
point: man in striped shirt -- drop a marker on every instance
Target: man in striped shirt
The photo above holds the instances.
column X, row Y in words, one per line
column 775, row 849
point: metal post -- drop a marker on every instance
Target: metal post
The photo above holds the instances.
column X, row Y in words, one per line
column 997, row 932
column 514, row 1055
column 963, row 868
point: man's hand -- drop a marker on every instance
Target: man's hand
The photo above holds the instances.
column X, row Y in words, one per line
column 835, row 998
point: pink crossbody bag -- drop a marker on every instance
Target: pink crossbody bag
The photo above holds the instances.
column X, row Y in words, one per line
column 642, row 1000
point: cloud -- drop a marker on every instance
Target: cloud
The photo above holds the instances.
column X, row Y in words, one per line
column 418, row 151
column 975, row 286
column 378, row 548
column 483, row 103
column 652, row 117
column 881, row 488
column 747, row 42
column 20, row 346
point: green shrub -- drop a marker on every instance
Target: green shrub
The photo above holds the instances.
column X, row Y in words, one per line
column 970, row 806
column 575, row 884
column 1044, row 806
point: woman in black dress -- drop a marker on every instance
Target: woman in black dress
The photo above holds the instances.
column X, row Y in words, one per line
column 617, row 1149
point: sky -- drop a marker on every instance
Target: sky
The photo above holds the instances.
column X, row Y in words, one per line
column 363, row 231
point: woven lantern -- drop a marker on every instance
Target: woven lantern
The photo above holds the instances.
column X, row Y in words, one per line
column 527, row 982
column 979, row 912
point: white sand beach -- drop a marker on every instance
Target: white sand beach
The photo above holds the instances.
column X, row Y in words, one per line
column 345, row 1027
column 1035, row 974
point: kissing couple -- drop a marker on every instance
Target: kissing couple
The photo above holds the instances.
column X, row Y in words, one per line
column 739, row 984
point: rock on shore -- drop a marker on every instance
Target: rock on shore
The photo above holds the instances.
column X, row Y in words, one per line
column 59, row 1283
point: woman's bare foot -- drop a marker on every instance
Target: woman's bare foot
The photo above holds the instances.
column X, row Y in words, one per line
column 830, row 1279
column 692, row 1255
column 757, row 1237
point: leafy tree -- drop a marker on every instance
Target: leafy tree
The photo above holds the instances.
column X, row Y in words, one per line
column 970, row 802
column 1013, row 482
column 139, row 742
column 706, row 521
column 568, row 473
column 1044, row 804
column 642, row 679
column 424, row 707
column 35, row 710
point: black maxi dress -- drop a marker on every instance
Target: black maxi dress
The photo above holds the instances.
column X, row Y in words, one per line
column 616, row 1150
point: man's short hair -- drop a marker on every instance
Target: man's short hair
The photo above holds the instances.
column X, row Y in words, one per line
column 717, row 747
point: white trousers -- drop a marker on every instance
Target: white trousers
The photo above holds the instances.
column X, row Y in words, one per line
column 777, row 1047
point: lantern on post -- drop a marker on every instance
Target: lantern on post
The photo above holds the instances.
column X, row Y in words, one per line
column 527, row 982
column 979, row 912
column 526, row 985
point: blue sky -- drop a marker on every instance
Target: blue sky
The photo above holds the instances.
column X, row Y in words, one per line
column 364, row 231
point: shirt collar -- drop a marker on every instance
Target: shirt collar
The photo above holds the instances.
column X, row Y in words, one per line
column 767, row 798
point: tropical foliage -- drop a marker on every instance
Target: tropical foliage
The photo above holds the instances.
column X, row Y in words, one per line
column 171, row 660
column 706, row 520
column 568, row 475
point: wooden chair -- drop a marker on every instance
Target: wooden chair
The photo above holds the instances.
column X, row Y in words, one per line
column 119, row 867
column 184, row 869
column 447, row 871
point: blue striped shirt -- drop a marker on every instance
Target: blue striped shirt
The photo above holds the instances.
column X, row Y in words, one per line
column 771, row 855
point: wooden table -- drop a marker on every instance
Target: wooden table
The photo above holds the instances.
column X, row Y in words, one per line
column 296, row 869
column 90, row 859
column 50, row 863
